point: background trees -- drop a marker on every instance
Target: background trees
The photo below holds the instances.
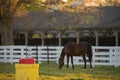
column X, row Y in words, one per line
column 8, row 9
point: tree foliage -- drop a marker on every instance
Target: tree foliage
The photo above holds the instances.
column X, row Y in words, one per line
column 111, row 2
column 8, row 8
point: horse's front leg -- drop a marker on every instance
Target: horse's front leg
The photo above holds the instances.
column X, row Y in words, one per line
column 67, row 61
column 84, row 59
column 72, row 62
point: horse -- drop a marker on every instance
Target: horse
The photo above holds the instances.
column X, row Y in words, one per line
column 73, row 49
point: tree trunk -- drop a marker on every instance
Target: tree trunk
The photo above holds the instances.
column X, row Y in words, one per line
column 7, row 33
column 7, row 11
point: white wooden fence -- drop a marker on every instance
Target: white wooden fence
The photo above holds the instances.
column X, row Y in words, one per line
column 101, row 55
column 12, row 54
column 106, row 55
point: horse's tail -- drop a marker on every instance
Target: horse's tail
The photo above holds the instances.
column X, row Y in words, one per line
column 90, row 54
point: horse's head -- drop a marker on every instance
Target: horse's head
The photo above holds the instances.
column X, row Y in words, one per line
column 61, row 63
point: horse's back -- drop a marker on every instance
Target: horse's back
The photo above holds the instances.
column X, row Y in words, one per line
column 69, row 48
column 79, row 49
column 85, row 47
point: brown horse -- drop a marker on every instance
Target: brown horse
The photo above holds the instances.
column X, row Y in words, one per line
column 72, row 49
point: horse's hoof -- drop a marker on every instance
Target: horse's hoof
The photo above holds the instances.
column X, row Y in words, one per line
column 84, row 67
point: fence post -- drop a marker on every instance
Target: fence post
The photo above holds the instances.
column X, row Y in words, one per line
column 5, row 54
column 118, row 52
column 22, row 53
column 117, row 57
column 59, row 50
column 11, row 54
column 93, row 57
column 36, row 54
column 58, row 54
column 112, row 57
column 47, row 54
column 39, row 54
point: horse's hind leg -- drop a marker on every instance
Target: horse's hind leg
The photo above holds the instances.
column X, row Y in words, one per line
column 84, row 59
column 72, row 62
column 90, row 60
column 67, row 61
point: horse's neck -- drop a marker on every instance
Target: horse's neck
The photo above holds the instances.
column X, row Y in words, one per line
column 62, row 55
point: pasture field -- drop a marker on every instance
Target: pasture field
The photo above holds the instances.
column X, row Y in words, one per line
column 51, row 72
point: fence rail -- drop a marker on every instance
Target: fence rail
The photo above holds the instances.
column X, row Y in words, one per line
column 101, row 55
column 106, row 55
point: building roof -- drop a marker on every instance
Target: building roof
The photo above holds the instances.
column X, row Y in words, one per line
column 110, row 17
column 107, row 18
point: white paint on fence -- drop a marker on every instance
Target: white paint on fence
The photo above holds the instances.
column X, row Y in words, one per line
column 101, row 55
column 106, row 55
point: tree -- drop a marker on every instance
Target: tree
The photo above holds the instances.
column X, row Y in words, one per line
column 102, row 2
column 8, row 9
column 78, row 13
column 111, row 3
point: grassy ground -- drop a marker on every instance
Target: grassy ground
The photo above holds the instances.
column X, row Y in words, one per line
column 51, row 72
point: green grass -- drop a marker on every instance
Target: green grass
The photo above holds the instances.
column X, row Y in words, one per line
column 7, row 68
column 51, row 69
